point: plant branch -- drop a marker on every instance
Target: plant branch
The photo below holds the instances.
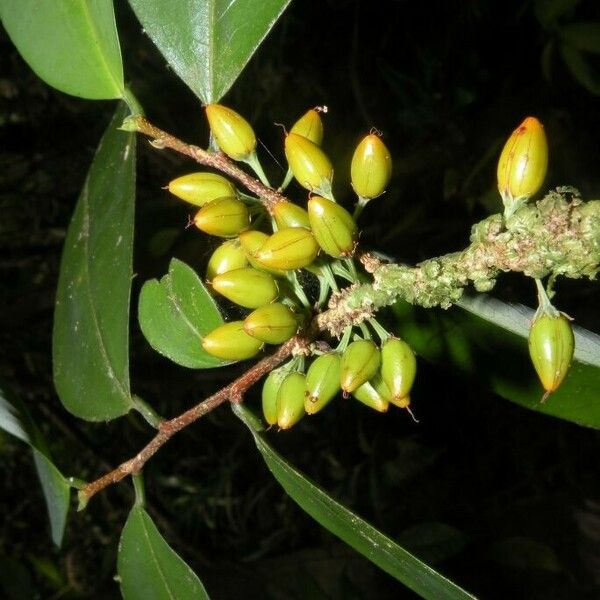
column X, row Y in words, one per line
column 233, row 392
column 216, row 160
column 552, row 237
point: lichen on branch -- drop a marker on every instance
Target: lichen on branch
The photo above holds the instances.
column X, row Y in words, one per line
column 556, row 236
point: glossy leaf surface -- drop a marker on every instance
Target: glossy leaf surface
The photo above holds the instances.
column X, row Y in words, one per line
column 71, row 44
column 149, row 568
column 176, row 313
column 486, row 339
column 348, row 526
column 208, row 42
column 15, row 420
column 91, row 320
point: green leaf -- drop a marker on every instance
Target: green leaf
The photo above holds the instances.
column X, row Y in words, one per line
column 208, row 42
column 148, row 568
column 176, row 313
column 580, row 68
column 348, row 526
column 15, row 419
column 71, row 44
column 525, row 553
column 91, row 320
column 486, row 339
column 582, row 36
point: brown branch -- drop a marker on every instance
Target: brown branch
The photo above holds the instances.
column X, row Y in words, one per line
column 233, row 392
column 216, row 160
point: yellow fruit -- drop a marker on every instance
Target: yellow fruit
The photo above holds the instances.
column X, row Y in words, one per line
column 308, row 163
column 223, row 217
column 233, row 133
column 310, row 126
column 288, row 249
column 272, row 324
column 551, row 347
column 523, row 162
column 227, row 257
column 231, row 342
column 333, row 227
column 201, row 188
column 371, row 167
column 247, row 287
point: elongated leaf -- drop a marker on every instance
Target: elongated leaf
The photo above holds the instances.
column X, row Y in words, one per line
column 176, row 313
column 348, row 526
column 148, row 568
column 487, row 339
column 91, row 320
column 71, row 44
column 208, row 42
column 15, row 419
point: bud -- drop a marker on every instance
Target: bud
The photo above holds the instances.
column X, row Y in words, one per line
column 201, row 188
column 227, row 257
column 308, row 163
column 310, row 126
column 273, row 323
column 290, row 400
column 223, row 217
column 231, row 342
column 247, row 287
column 370, row 396
column 360, row 362
column 333, row 227
column 233, row 133
column 288, row 249
column 522, row 165
column 322, row 382
column 288, row 214
column 269, row 394
column 371, row 167
column 398, row 367
column 551, row 347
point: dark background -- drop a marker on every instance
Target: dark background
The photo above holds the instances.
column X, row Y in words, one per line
column 503, row 501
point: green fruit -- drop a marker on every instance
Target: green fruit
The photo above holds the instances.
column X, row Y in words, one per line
column 288, row 214
column 231, row 342
column 310, row 126
column 251, row 242
column 368, row 395
column 233, row 133
column 333, row 227
column 201, row 188
column 247, row 287
column 227, row 257
column 288, row 249
column 308, row 163
column 322, row 382
column 398, row 367
column 223, row 217
column 551, row 347
column 371, row 167
column 360, row 362
column 270, row 391
column 272, row 324
column 290, row 400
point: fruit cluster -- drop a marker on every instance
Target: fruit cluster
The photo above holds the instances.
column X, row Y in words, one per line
column 256, row 267
column 268, row 240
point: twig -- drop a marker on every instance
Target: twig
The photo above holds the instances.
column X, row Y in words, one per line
column 216, row 160
column 167, row 429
